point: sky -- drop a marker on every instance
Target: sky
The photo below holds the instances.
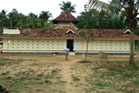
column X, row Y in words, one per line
column 36, row 6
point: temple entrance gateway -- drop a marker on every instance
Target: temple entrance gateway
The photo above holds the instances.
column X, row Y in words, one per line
column 70, row 45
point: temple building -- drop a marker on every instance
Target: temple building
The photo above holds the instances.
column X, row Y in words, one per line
column 66, row 35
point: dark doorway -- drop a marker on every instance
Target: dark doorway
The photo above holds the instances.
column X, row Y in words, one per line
column 70, row 45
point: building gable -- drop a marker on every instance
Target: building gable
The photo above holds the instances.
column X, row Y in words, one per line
column 127, row 31
column 70, row 31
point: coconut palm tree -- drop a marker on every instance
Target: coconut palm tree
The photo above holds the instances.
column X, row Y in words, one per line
column 44, row 16
column 67, row 7
column 99, row 5
column 130, row 10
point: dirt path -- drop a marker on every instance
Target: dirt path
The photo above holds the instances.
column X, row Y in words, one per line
column 67, row 75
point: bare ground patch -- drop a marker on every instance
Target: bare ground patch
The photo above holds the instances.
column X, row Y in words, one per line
column 52, row 74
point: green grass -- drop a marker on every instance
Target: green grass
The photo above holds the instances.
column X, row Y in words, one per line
column 75, row 78
column 128, row 75
column 6, row 61
column 20, row 80
column 41, row 82
column 30, row 55
column 126, row 62
column 17, row 80
column 17, row 86
column 8, row 77
column 62, row 81
column 115, row 76
column 137, row 62
column 104, row 92
column 119, row 62
column 55, row 71
column 47, row 56
column 107, row 74
column 100, row 84
column 136, row 82
column 5, row 73
column 49, row 76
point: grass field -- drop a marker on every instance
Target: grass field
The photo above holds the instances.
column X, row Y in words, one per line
column 52, row 74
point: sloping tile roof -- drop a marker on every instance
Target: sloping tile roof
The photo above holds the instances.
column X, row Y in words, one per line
column 110, row 33
column 47, row 33
column 66, row 27
column 65, row 17
column 61, row 33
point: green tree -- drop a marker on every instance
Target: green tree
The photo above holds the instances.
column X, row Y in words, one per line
column 13, row 18
column 44, row 16
column 101, row 20
column 131, row 12
column 50, row 25
column 67, row 7
column 21, row 20
column 87, row 36
column 99, row 5
column 88, row 19
column 137, row 30
column 115, row 21
column 130, row 8
column 115, row 6
column 3, row 19
column 32, row 21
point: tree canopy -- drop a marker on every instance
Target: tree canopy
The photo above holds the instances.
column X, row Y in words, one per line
column 67, row 7
column 44, row 16
column 107, row 16
column 101, row 20
column 14, row 19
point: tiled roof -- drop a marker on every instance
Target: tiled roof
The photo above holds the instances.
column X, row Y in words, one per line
column 65, row 17
column 61, row 33
column 110, row 33
column 66, row 27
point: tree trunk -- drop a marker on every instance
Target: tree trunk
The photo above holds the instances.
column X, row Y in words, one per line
column 86, row 51
column 132, row 48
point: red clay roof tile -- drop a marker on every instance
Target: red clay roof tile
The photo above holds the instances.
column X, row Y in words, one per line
column 61, row 33
column 65, row 17
column 66, row 27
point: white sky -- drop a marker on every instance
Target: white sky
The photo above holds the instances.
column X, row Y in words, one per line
column 36, row 6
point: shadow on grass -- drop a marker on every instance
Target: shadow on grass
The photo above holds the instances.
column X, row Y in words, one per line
column 83, row 61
